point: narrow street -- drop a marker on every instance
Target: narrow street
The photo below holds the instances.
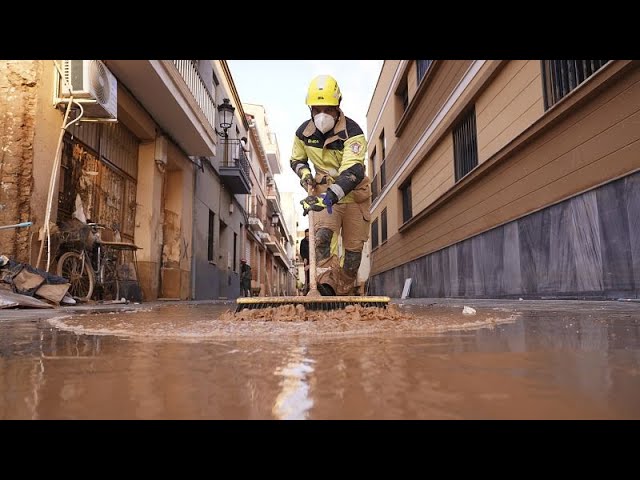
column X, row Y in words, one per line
column 512, row 360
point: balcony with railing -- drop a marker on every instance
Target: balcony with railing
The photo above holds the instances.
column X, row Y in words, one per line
column 275, row 242
column 273, row 197
column 256, row 215
column 176, row 97
column 234, row 166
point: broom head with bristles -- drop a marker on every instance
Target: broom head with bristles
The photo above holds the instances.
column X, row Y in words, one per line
column 311, row 303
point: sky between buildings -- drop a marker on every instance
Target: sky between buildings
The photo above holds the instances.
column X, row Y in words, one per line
column 281, row 86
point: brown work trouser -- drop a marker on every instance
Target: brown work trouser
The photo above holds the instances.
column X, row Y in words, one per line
column 352, row 220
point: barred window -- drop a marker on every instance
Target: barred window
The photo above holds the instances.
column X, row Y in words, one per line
column 374, row 234
column 383, row 221
column 374, row 188
column 562, row 76
column 212, row 217
column 405, row 191
column 422, row 68
column 465, row 144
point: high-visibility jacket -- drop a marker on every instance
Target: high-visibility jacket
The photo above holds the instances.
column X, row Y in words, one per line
column 338, row 158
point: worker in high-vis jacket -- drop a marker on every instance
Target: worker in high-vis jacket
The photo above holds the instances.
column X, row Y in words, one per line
column 341, row 195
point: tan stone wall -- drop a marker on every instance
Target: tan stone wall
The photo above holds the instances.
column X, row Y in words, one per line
column 18, row 100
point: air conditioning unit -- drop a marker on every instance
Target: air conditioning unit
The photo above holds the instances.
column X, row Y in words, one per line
column 93, row 85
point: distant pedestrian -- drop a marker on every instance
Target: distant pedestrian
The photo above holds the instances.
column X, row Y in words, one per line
column 245, row 278
column 304, row 253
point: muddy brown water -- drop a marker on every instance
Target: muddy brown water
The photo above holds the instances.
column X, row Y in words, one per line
column 430, row 362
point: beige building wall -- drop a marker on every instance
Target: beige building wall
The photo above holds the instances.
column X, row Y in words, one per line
column 509, row 104
column 525, row 164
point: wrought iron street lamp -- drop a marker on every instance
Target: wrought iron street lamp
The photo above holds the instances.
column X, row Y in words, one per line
column 226, row 116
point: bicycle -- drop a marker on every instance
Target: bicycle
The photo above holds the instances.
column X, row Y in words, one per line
column 85, row 269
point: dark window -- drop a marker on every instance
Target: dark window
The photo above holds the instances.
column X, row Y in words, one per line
column 562, row 76
column 465, row 145
column 406, row 202
column 374, row 162
column 235, row 249
column 403, row 95
column 212, row 216
column 383, row 221
column 374, row 234
column 383, row 147
column 422, row 67
column 383, row 176
column 374, row 188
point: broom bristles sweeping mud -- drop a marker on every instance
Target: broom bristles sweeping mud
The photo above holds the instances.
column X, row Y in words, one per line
column 310, row 303
column 313, row 300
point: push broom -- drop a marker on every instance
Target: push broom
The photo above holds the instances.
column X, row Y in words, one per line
column 313, row 300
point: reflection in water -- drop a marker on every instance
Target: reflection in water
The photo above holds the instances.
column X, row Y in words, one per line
column 293, row 402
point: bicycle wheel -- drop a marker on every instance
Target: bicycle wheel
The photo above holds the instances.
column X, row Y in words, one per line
column 109, row 281
column 81, row 277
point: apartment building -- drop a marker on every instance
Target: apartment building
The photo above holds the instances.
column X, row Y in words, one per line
column 150, row 154
column 506, row 178
column 271, row 244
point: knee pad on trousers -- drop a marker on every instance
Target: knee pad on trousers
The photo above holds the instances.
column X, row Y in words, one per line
column 352, row 262
column 323, row 243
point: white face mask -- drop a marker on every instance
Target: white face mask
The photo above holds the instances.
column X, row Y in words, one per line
column 324, row 122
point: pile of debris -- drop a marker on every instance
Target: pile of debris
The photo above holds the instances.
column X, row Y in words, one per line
column 290, row 313
column 23, row 285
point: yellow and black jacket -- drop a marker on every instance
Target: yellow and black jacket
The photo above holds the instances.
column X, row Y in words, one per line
column 338, row 157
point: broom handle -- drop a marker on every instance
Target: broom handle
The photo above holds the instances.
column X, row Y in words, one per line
column 313, row 286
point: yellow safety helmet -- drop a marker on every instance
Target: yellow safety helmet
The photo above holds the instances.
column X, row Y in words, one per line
column 324, row 90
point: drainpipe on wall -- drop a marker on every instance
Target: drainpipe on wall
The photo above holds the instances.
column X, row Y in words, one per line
column 193, row 235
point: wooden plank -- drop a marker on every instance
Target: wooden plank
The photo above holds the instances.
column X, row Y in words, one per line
column 53, row 292
column 7, row 297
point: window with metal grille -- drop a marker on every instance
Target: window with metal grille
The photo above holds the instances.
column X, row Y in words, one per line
column 374, row 188
column 235, row 249
column 403, row 95
column 373, row 162
column 212, row 217
column 562, row 76
column 405, row 191
column 107, row 194
column 374, row 234
column 422, row 67
column 383, row 226
column 383, row 176
column 465, row 144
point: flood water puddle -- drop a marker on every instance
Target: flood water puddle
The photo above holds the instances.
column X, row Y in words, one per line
column 198, row 323
column 189, row 361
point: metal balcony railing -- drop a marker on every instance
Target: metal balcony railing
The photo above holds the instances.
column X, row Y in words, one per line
column 233, row 155
column 196, row 86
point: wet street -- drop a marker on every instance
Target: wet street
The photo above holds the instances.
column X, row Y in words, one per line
column 512, row 360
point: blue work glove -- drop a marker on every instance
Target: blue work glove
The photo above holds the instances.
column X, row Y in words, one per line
column 317, row 203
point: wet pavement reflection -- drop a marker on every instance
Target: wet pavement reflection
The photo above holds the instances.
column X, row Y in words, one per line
column 181, row 362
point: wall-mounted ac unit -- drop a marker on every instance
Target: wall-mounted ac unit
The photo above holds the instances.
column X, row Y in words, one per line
column 93, row 85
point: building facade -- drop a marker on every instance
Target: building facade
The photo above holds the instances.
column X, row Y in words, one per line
column 505, row 178
column 148, row 157
column 271, row 243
